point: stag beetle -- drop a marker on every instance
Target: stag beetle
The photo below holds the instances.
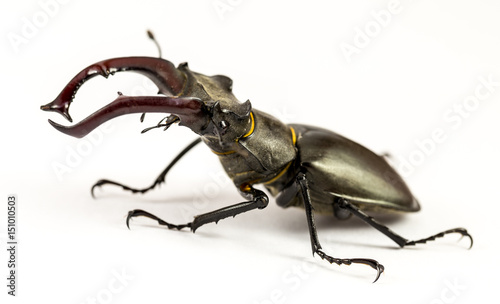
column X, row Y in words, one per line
column 301, row 165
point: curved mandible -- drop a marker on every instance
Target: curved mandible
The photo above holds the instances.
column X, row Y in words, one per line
column 163, row 73
column 190, row 110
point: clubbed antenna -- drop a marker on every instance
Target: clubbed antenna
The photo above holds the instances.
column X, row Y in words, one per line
column 152, row 37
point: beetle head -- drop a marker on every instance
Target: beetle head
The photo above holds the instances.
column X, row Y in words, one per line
column 228, row 125
column 229, row 119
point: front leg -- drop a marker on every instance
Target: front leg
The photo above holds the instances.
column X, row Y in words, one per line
column 258, row 200
column 158, row 181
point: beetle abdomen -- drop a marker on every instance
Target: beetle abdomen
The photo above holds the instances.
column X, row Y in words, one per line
column 344, row 168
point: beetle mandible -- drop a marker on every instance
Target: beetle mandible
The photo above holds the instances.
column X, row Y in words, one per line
column 301, row 165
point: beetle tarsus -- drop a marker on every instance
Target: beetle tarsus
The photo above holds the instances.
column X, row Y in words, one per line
column 370, row 262
column 159, row 180
column 139, row 212
column 102, row 182
column 462, row 231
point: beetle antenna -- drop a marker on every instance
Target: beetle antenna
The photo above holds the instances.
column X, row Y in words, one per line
column 152, row 37
column 169, row 120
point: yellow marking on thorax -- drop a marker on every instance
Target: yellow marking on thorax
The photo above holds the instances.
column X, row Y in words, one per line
column 279, row 174
column 252, row 127
column 223, row 153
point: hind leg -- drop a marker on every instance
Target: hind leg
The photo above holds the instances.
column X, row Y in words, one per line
column 401, row 241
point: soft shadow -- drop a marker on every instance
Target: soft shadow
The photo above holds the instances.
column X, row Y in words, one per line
column 323, row 221
column 327, row 226
column 152, row 196
column 329, row 222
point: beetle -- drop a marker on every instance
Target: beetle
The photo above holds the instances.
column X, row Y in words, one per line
column 301, row 165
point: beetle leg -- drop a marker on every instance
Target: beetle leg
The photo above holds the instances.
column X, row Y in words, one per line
column 461, row 231
column 401, row 241
column 259, row 201
column 160, row 179
column 138, row 212
column 316, row 246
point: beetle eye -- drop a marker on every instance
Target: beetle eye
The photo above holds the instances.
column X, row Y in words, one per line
column 224, row 124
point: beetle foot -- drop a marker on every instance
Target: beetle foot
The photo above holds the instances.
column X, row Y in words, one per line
column 102, row 182
column 139, row 212
column 372, row 263
column 461, row 231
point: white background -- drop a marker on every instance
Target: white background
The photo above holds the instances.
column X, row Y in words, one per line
column 286, row 57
